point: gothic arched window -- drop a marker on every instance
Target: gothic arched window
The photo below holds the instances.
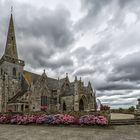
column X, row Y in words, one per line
column 1, row 71
column 43, row 100
column 14, row 71
column 67, row 87
column 64, row 106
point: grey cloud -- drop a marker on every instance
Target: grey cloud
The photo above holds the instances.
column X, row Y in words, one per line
column 84, row 71
column 126, row 68
column 40, row 33
column 118, row 86
column 109, row 93
column 54, row 26
column 41, row 58
column 81, row 53
column 101, row 47
column 123, row 3
column 99, row 11
column 94, row 6
column 63, row 62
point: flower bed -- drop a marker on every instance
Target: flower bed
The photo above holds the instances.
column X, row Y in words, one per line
column 57, row 119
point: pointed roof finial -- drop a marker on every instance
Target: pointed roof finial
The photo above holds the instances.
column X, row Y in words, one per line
column 66, row 74
column 11, row 9
column 75, row 78
column 44, row 71
column 44, row 74
column 89, row 83
column 80, row 79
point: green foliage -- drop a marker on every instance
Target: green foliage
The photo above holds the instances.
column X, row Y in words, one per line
column 130, row 110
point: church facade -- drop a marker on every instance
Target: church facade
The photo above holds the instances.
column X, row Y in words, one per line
column 22, row 91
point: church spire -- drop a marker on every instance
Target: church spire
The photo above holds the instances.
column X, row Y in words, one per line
column 11, row 49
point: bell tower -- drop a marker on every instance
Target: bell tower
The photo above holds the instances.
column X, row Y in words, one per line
column 10, row 63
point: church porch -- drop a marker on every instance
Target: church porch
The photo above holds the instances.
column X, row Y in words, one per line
column 18, row 107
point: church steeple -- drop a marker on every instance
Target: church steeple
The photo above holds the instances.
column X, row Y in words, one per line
column 11, row 48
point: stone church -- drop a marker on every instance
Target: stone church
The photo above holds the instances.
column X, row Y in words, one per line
column 22, row 91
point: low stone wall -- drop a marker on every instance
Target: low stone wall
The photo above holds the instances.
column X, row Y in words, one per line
column 137, row 115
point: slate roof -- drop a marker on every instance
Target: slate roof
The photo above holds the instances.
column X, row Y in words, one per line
column 52, row 84
column 31, row 77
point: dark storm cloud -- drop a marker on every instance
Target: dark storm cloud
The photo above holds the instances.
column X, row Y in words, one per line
column 84, row 71
column 94, row 7
column 40, row 58
column 40, row 33
column 118, row 86
column 54, row 64
column 110, row 93
column 126, row 69
column 124, row 75
column 97, row 11
column 123, row 3
column 52, row 25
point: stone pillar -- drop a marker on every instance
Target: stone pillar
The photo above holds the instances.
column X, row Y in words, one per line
column 76, row 96
column 76, row 103
column 139, row 102
column 1, row 84
column 5, row 92
column 58, row 103
column 138, row 106
column 19, row 108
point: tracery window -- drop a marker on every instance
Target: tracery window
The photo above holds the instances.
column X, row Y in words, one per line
column 1, row 71
column 44, row 100
column 67, row 87
column 14, row 71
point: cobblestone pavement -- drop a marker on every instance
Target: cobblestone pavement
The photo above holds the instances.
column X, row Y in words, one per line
column 19, row 132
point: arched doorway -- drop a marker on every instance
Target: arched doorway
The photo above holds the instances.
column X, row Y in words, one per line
column 81, row 105
column 64, row 106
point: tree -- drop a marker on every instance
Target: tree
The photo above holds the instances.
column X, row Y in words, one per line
column 131, row 109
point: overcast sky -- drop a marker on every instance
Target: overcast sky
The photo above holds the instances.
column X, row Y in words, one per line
column 98, row 40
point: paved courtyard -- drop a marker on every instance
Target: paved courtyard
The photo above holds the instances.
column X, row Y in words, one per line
column 115, row 116
column 19, row 132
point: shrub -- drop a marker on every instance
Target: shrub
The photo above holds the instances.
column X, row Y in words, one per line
column 53, row 119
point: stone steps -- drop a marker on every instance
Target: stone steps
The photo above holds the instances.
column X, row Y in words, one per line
column 125, row 122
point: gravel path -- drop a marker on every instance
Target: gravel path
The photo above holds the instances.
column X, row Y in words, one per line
column 20, row 132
